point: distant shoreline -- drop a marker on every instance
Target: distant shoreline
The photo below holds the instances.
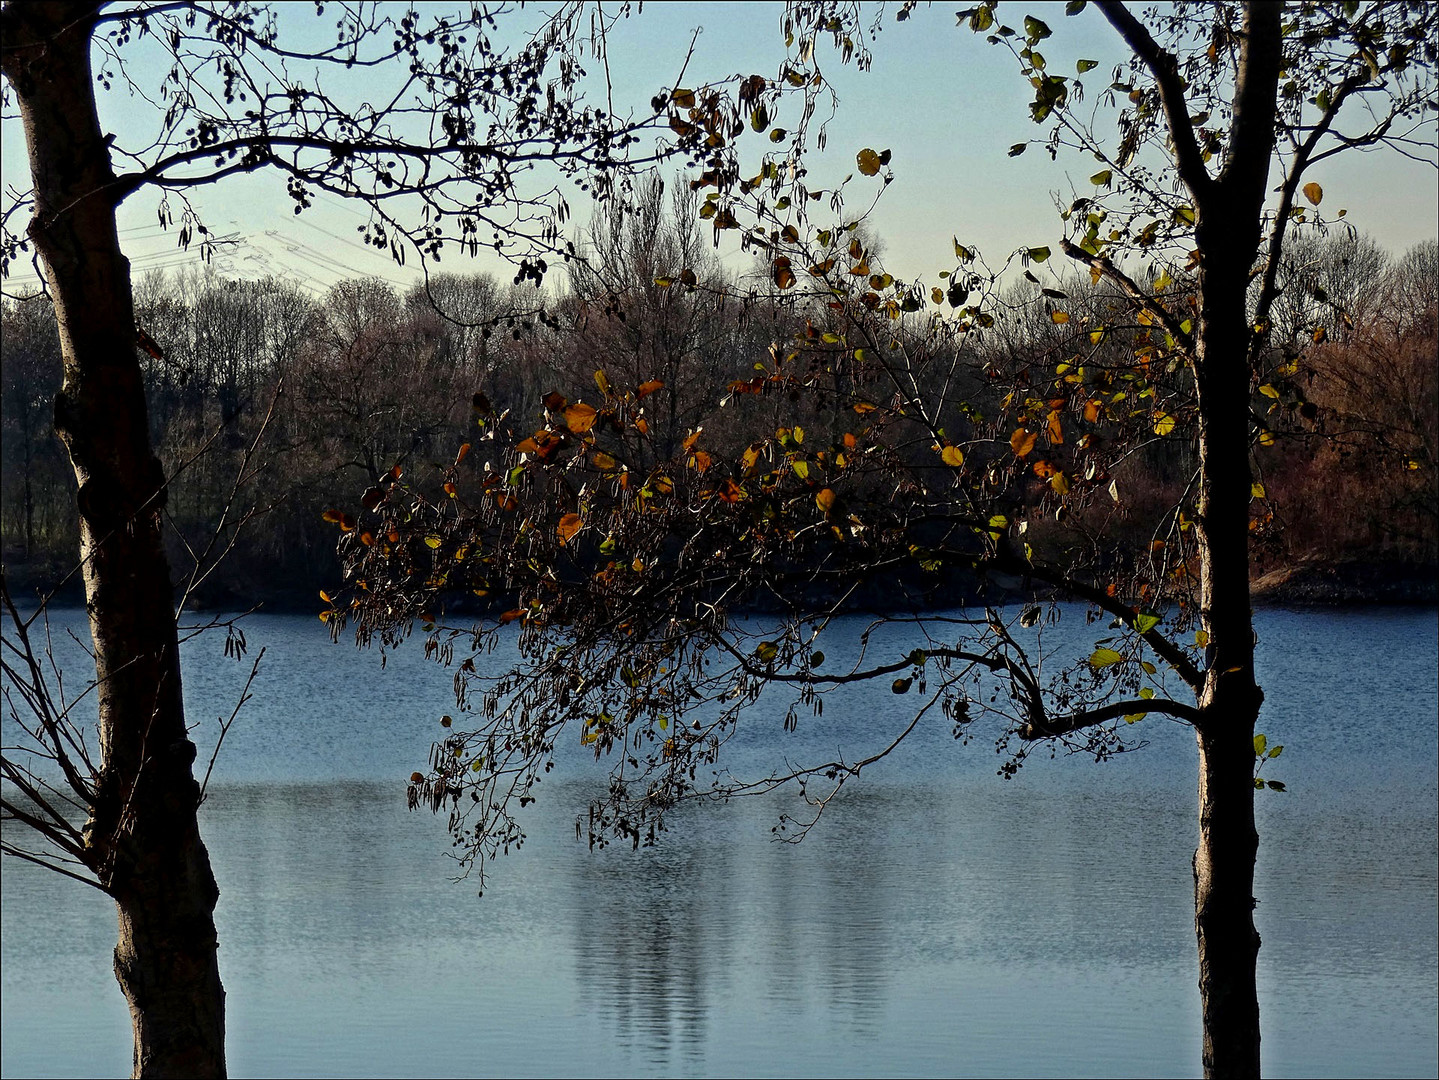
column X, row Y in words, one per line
column 1309, row 583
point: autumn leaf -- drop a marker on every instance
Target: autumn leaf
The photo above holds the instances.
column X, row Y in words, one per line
column 1054, row 429
column 1091, row 410
column 1104, row 657
column 580, row 417
column 868, row 162
column 1163, row 423
column 952, row 456
column 647, row 388
column 824, row 499
column 1022, row 442
column 1314, row 193
column 568, row 526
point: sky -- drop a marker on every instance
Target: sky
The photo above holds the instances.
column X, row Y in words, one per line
column 947, row 105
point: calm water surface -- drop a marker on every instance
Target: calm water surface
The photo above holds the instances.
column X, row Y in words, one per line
column 940, row 920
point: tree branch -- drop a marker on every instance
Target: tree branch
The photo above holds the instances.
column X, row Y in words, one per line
column 1046, row 728
column 1164, row 67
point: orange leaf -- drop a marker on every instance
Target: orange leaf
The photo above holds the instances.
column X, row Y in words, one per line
column 1054, row 429
column 602, row 460
column 568, row 526
column 1091, row 410
column 731, row 492
column 513, row 614
column 952, row 456
column 825, row 499
column 1022, row 442
column 463, row 453
column 555, row 401
column 580, row 417
column 506, row 502
column 700, row 459
column 648, row 388
column 642, row 425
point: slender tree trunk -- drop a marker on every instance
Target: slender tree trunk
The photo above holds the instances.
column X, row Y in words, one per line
column 1229, row 702
column 1228, row 228
column 142, row 838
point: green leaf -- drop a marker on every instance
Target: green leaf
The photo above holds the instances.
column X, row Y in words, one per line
column 1147, row 692
column 1086, row 65
column 1134, row 718
column 816, row 658
column 1275, row 751
column 1104, row 657
column 1034, row 29
column 1102, row 178
column 1276, row 785
column 1074, row 7
column 766, row 651
column 1018, row 148
column 1260, row 743
column 901, row 686
column 1143, row 623
column 1038, row 254
column 1149, row 669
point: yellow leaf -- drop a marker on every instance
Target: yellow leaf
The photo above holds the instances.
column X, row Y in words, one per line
column 1314, row 193
column 1059, row 483
column 1269, row 391
column 868, row 161
column 1054, row 429
column 1256, row 490
column 824, row 499
column 602, row 381
column 602, row 460
column 432, row 542
column 1163, row 423
column 1059, row 317
column 1266, row 438
column 801, row 469
column 952, row 456
column 1104, row 657
column 1022, row 442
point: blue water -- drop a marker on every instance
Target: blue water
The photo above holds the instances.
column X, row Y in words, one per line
column 940, row 919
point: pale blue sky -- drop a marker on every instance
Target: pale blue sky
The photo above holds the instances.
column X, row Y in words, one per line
column 946, row 104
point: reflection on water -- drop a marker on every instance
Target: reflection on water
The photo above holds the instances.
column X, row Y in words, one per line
column 939, row 920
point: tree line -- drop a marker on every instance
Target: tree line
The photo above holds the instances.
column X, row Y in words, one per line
column 309, row 399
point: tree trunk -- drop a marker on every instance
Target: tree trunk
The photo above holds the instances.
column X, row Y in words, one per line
column 142, row 838
column 1230, row 699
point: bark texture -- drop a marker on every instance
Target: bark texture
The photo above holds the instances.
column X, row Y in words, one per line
column 142, row 837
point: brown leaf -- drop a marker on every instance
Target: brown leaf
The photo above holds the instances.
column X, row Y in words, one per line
column 580, row 417
column 568, row 526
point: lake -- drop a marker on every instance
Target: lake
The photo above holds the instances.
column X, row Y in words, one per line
column 940, row 920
